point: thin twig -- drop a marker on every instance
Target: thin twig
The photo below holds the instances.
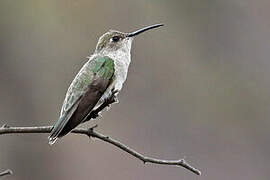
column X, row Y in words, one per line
column 5, row 173
column 91, row 133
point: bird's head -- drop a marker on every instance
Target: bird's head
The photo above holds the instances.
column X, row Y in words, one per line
column 115, row 40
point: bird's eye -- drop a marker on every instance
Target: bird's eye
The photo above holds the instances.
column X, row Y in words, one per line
column 115, row 38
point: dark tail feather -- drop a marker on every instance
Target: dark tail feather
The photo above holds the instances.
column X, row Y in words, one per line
column 60, row 125
column 55, row 131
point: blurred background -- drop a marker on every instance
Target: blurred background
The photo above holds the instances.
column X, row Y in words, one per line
column 198, row 88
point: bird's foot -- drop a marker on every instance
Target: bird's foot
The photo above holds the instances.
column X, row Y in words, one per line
column 93, row 115
column 113, row 98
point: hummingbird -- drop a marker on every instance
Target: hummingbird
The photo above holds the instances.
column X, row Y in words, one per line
column 100, row 77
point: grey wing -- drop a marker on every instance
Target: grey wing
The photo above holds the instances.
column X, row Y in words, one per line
column 75, row 92
column 77, row 88
column 83, row 94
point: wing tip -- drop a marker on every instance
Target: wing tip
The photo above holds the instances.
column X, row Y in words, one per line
column 52, row 140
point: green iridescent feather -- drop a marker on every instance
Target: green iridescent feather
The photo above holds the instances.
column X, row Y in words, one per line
column 102, row 67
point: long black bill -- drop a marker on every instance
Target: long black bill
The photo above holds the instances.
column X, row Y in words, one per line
column 143, row 30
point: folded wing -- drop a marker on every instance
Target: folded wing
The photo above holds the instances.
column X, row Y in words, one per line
column 83, row 94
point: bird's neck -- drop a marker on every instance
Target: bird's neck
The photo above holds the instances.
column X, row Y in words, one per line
column 120, row 56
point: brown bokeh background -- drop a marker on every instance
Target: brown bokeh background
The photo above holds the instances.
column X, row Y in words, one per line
column 197, row 88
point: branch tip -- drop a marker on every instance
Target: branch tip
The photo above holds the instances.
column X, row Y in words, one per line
column 6, row 172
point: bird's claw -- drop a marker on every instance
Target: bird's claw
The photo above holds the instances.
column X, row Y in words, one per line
column 113, row 97
column 95, row 115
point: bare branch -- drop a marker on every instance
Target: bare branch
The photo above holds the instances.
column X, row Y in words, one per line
column 5, row 173
column 91, row 133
